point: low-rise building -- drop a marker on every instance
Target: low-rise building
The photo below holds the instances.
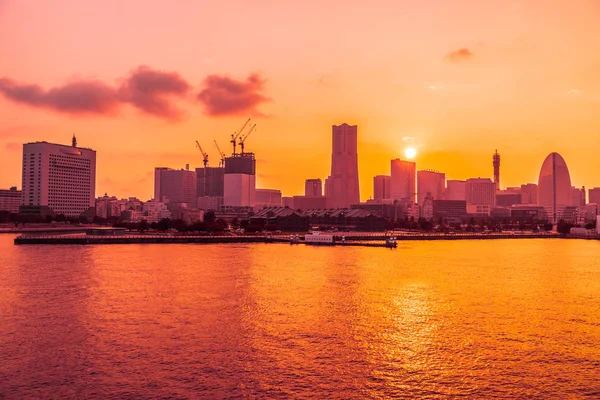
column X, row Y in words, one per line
column 450, row 211
column 10, row 200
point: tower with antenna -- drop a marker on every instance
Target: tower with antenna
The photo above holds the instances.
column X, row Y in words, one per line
column 74, row 141
column 496, row 163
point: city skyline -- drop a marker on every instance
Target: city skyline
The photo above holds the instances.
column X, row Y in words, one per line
column 455, row 101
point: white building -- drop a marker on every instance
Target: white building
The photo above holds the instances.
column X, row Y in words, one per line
column 240, row 181
column 61, row 178
column 155, row 210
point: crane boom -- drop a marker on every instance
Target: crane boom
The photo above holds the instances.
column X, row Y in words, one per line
column 234, row 136
column 204, row 155
column 243, row 138
column 220, row 153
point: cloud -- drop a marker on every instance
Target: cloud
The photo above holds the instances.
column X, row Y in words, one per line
column 459, row 55
column 149, row 91
column 223, row 95
column 83, row 97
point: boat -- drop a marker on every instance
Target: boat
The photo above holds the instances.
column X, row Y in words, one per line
column 390, row 242
column 319, row 238
column 294, row 239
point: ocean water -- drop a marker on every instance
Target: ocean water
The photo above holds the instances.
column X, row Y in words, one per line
column 483, row 319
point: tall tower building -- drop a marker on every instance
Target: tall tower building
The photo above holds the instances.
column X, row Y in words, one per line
column 430, row 184
column 382, row 189
column 496, row 163
column 59, row 179
column 341, row 187
column 239, row 185
column 175, row 186
column 313, row 187
column 403, row 180
column 554, row 186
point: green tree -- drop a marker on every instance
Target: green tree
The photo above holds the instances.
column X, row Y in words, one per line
column 143, row 226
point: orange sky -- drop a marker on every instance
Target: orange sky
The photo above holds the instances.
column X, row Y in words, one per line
column 461, row 78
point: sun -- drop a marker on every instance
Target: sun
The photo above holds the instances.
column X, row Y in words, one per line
column 410, row 153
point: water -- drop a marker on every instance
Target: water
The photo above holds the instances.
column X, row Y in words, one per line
column 506, row 319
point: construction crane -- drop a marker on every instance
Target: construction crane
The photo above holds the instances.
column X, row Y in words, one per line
column 204, row 155
column 243, row 138
column 234, row 136
column 222, row 163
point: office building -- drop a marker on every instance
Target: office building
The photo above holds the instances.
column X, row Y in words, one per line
column 210, row 203
column 455, row 190
column 508, row 197
column 175, row 186
column 313, row 187
column 110, row 207
column 382, row 189
column 309, row 202
column 10, row 200
column 554, row 187
column 430, row 184
column 58, row 179
column 403, row 177
column 268, row 198
column 450, row 211
column 287, row 202
column 239, row 188
column 341, row 187
column 529, row 193
column 578, row 196
column 210, row 182
column 480, row 191
column 594, row 195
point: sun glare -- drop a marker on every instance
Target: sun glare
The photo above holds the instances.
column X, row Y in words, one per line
column 410, row 152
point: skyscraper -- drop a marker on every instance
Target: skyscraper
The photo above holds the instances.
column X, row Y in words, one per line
column 341, row 187
column 175, row 186
column 554, row 186
column 496, row 164
column 313, row 187
column 403, row 180
column 430, row 184
column 382, row 187
column 240, row 180
column 59, row 179
column 210, row 181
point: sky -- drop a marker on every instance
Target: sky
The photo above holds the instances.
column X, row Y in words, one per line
column 140, row 81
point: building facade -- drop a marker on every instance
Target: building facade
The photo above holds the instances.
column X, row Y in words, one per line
column 210, row 182
column 578, row 196
column 403, row 180
column 341, row 187
column 10, row 200
column 554, row 186
column 456, row 190
column 529, row 193
column 382, row 187
column 175, row 186
column 309, row 202
column 313, row 187
column 594, row 195
column 480, row 191
column 59, row 178
column 430, row 184
column 239, row 188
column 268, row 198
column 450, row 211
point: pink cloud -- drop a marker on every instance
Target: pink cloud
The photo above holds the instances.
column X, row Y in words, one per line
column 83, row 97
column 459, row 55
column 150, row 90
column 223, row 95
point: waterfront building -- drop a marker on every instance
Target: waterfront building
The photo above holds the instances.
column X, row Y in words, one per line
column 208, row 203
column 430, row 184
column 58, row 179
column 587, row 213
column 529, row 193
column 382, row 189
column 341, row 187
column 268, row 198
column 480, row 191
column 508, row 197
column 578, row 196
column 403, row 185
column 210, row 182
column 554, row 186
column 479, row 209
column 456, row 190
column 175, row 186
column 450, row 211
column 594, row 195
column 239, row 188
column 313, row 187
column 107, row 207
column 154, row 210
column 10, row 200
column 309, row 202
column 527, row 213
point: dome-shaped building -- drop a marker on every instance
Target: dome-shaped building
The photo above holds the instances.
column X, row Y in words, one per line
column 554, row 186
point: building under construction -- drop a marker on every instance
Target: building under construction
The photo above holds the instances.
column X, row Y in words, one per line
column 239, row 183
